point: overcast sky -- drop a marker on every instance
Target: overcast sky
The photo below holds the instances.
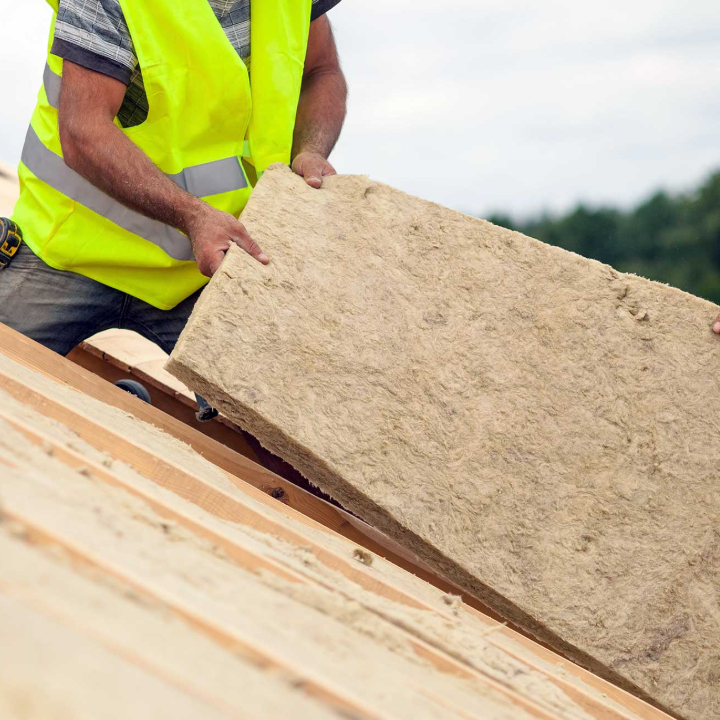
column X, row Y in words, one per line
column 492, row 104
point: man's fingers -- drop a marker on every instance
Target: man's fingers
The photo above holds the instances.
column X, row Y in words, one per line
column 313, row 167
column 209, row 262
column 317, row 173
column 215, row 262
column 716, row 325
column 244, row 240
column 313, row 174
column 212, row 238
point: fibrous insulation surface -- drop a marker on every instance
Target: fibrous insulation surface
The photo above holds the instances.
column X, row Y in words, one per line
column 539, row 427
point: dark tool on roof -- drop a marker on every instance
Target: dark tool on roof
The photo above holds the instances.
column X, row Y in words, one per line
column 134, row 388
column 10, row 241
column 205, row 411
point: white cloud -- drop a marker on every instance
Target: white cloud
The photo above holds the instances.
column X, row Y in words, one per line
column 523, row 105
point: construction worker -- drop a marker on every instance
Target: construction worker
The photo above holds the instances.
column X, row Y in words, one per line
column 144, row 147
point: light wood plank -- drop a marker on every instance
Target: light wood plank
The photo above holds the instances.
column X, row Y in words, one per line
column 49, row 364
column 50, row 532
column 51, row 671
column 31, row 355
column 146, row 635
column 253, row 562
column 316, row 687
column 250, row 561
column 171, row 476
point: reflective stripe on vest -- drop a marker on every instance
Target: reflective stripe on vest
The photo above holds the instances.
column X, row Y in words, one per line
column 202, row 180
column 51, row 169
column 52, row 82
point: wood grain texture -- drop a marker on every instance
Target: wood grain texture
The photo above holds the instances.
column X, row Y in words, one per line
column 61, row 491
column 145, row 636
column 201, row 483
column 330, row 640
column 538, row 427
column 242, row 471
column 51, row 672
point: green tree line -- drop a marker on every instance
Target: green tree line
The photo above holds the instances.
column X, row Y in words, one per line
column 673, row 238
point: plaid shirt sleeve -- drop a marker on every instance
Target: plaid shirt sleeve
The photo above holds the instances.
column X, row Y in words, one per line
column 93, row 33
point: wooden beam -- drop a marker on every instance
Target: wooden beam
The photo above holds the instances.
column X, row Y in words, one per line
column 252, row 561
column 241, row 469
column 312, row 510
column 231, row 638
column 164, row 398
column 87, row 680
column 170, row 475
column 161, row 472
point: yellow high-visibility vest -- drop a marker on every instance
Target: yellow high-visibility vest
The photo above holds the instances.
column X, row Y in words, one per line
column 201, row 111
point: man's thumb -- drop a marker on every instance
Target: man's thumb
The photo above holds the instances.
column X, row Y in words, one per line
column 313, row 176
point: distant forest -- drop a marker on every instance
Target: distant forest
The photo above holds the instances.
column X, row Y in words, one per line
column 674, row 238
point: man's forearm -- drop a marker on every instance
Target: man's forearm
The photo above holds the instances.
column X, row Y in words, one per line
column 97, row 149
column 321, row 112
column 111, row 162
column 102, row 154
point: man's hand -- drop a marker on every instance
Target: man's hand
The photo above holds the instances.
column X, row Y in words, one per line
column 97, row 149
column 716, row 325
column 321, row 109
column 313, row 167
column 211, row 233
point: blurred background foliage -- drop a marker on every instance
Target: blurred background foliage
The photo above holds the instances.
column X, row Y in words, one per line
column 673, row 238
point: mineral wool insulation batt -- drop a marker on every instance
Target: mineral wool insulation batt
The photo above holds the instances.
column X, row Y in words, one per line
column 540, row 428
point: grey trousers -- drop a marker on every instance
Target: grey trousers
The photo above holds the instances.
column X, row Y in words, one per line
column 61, row 309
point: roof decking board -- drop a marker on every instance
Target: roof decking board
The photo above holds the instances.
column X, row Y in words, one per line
column 44, row 521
